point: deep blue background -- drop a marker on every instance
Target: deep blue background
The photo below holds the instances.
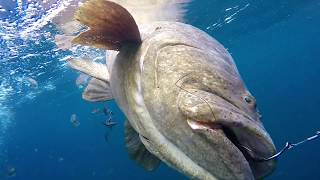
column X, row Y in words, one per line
column 275, row 45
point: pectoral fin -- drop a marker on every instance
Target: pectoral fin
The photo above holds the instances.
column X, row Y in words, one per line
column 63, row 42
column 96, row 70
column 110, row 24
column 97, row 91
column 137, row 151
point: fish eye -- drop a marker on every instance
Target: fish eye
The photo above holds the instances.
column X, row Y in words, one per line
column 248, row 99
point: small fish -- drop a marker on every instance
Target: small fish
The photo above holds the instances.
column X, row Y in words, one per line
column 74, row 120
column 96, row 111
column 32, row 82
column 107, row 111
column 60, row 159
column 11, row 172
column 109, row 123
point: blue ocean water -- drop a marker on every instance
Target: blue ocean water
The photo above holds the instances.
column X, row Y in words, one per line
column 275, row 45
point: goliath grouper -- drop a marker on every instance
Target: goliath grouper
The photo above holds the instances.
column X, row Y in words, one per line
column 179, row 88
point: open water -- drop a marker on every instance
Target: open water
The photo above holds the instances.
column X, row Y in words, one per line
column 275, row 44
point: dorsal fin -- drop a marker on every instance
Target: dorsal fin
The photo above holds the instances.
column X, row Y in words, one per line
column 137, row 151
column 97, row 70
column 97, row 91
column 147, row 11
column 110, row 24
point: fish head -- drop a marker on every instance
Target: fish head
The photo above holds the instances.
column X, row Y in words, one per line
column 225, row 113
column 200, row 103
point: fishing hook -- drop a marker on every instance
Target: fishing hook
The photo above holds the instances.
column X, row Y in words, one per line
column 287, row 146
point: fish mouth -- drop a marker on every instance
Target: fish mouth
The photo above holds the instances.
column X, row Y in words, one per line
column 236, row 134
column 240, row 141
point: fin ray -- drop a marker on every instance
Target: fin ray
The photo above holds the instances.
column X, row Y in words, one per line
column 97, row 91
column 110, row 24
column 97, row 70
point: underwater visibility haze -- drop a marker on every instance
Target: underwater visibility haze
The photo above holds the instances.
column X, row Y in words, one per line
column 48, row 131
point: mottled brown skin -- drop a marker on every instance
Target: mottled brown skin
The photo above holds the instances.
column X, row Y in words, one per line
column 177, row 75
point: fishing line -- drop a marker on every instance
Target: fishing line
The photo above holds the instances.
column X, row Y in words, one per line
column 287, row 146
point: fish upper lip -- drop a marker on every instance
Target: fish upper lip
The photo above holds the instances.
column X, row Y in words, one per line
column 236, row 109
column 239, row 111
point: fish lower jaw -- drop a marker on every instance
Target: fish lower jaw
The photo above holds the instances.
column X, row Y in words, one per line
column 234, row 138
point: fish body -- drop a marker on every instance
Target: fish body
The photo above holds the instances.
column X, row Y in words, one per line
column 32, row 82
column 110, row 123
column 74, row 120
column 181, row 92
column 96, row 111
column 172, row 79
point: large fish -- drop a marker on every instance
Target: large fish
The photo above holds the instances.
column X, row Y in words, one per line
column 179, row 88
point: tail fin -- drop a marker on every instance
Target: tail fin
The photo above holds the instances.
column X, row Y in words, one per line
column 110, row 24
column 146, row 11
